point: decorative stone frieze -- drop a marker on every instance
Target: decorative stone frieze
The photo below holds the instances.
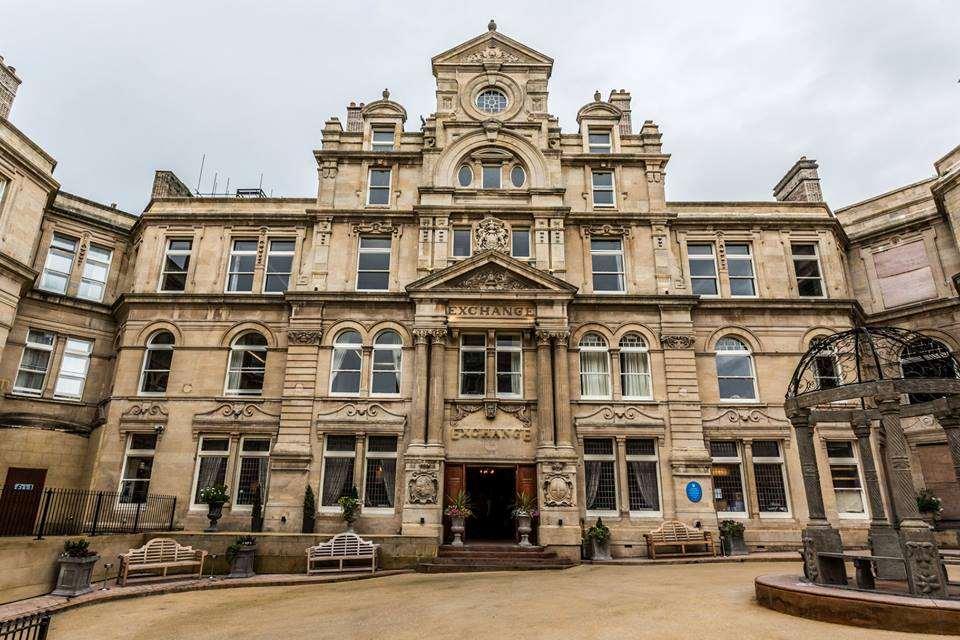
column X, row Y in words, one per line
column 677, row 341
column 492, row 278
column 606, row 230
column 304, row 336
column 377, row 226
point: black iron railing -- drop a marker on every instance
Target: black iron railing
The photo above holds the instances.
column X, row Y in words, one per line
column 75, row 512
column 32, row 627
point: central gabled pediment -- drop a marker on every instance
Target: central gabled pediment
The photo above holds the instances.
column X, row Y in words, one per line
column 491, row 272
column 492, row 47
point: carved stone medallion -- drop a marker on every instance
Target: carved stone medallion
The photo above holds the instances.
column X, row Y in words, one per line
column 422, row 488
column 557, row 488
column 491, row 233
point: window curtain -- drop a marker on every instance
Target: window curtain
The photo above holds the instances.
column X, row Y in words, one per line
column 635, row 370
column 593, row 367
column 389, row 478
column 645, row 476
column 337, row 471
column 213, row 469
column 592, row 468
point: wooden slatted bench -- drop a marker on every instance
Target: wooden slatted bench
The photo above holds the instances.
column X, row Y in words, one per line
column 674, row 533
column 159, row 554
column 343, row 546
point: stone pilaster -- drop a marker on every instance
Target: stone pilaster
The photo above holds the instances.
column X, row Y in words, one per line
column 292, row 454
column 421, row 387
column 438, row 347
column 544, row 389
column 561, row 391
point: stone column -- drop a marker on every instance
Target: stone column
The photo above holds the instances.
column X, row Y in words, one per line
column 561, row 391
column 435, row 417
column 544, row 389
column 491, row 366
column 950, row 422
column 421, row 386
column 883, row 539
column 623, row 487
column 749, row 477
column 818, row 536
column 925, row 574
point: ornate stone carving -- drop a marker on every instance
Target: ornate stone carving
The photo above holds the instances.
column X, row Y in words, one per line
column 492, row 278
column 422, row 488
column 557, row 487
column 491, row 233
column 926, row 567
column 376, row 226
column 810, row 568
column 145, row 412
column 490, row 409
column 304, row 336
column 236, row 411
column 617, row 230
column 421, row 336
column 491, row 54
column 743, row 417
column 677, row 341
column 363, row 412
column 619, row 415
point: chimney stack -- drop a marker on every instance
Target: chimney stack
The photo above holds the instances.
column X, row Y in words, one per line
column 800, row 184
column 9, row 82
column 621, row 100
column 354, row 120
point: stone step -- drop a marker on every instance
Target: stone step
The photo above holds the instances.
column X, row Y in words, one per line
column 447, row 553
column 496, row 560
column 432, row 567
column 492, row 546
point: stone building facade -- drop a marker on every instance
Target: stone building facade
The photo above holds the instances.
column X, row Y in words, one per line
column 488, row 303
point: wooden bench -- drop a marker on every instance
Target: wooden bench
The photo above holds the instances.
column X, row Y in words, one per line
column 343, row 546
column 162, row 554
column 674, row 533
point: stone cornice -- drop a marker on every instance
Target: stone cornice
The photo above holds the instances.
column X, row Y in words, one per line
column 614, row 159
column 58, row 300
column 17, row 269
column 924, row 307
column 357, row 155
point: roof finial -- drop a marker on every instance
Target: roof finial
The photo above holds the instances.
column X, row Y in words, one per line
column 386, row 94
column 596, row 96
column 491, row 26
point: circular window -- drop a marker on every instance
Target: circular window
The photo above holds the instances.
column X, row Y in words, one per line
column 491, row 101
column 517, row 176
column 465, row 176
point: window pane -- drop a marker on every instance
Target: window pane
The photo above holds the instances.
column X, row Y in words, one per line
column 603, row 197
column 741, row 287
column 380, row 178
column 740, row 268
column 642, row 485
column 143, row 441
column 771, row 493
column 379, row 196
column 174, row 282
column 736, row 388
column 607, row 262
column 837, row 449
column 807, row 268
column 337, row 479
column 727, row 488
column 374, row 242
column 253, row 476
column 517, row 176
column 521, row 243
column 380, row 482
column 491, row 177
column 723, row 449
column 472, row 384
column 601, row 490
column 702, row 268
column 341, row 443
column 733, row 365
column 373, row 280
column 213, row 472
column 602, row 179
column 804, row 249
column 276, row 283
column 375, row 261
column 385, row 382
column 607, row 282
column 810, row 288
column 598, row 446
column 461, row 242
column 700, row 249
column 465, row 176
column 53, row 282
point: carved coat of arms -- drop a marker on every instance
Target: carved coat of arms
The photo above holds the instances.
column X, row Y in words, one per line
column 491, row 233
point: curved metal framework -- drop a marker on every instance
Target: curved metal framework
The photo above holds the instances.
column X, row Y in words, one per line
column 850, row 364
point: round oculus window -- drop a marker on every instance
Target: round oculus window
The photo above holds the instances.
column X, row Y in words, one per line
column 465, row 176
column 517, row 176
column 491, row 101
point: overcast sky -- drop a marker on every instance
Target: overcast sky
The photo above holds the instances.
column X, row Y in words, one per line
column 115, row 90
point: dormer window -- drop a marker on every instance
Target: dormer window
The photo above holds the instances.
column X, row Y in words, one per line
column 491, row 101
column 600, row 142
column 491, row 176
column 383, row 139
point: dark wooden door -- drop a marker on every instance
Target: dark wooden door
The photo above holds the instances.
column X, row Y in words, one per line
column 527, row 483
column 454, row 481
column 20, row 500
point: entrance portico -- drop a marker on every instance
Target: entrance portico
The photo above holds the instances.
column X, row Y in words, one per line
column 501, row 327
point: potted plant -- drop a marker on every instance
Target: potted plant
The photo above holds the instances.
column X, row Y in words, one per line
column 731, row 537
column 350, row 507
column 76, row 568
column 598, row 540
column 240, row 555
column 525, row 510
column 929, row 505
column 309, row 511
column 214, row 496
column 458, row 510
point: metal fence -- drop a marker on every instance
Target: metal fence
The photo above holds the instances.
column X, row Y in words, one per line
column 32, row 627
column 74, row 512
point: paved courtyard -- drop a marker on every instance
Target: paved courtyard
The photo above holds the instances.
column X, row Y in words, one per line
column 681, row 601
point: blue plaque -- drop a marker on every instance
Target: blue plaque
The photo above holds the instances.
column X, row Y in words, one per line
column 694, row 491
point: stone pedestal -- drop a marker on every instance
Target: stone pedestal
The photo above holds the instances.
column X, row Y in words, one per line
column 422, row 513
column 925, row 574
column 884, row 541
column 688, row 467
column 289, row 467
column 559, row 516
column 823, row 539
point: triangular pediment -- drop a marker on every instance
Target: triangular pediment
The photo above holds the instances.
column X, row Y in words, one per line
column 491, row 272
column 492, row 46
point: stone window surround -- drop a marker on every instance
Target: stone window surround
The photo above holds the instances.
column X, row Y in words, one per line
column 750, row 353
column 461, row 222
column 234, row 435
column 369, row 168
column 506, row 159
column 359, row 456
column 806, row 238
column 928, row 237
column 147, row 347
column 601, row 128
column 760, row 432
column 615, row 179
column 739, row 461
column 263, row 237
column 193, row 237
column 366, row 371
column 490, row 370
column 719, row 239
column 828, row 476
column 127, row 435
column 613, row 348
column 55, row 362
column 620, row 435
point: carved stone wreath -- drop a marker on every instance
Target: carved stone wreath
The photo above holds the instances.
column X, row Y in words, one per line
column 676, row 341
column 491, row 233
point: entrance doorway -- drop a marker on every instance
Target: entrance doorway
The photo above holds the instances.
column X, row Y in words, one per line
column 20, row 500
column 492, row 492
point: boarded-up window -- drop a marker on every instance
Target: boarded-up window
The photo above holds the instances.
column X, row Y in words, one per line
column 904, row 275
column 939, row 477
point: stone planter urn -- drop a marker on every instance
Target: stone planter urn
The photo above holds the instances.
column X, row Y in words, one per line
column 214, row 513
column 457, row 527
column 241, row 564
column 599, row 549
column 734, row 544
column 75, row 575
column 524, row 528
column 350, row 522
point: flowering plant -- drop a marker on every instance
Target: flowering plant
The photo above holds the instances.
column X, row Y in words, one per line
column 349, row 504
column 525, row 505
column 214, row 494
column 459, row 506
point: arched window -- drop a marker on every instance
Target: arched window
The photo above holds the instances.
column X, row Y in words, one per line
column 926, row 358
column 634, row 367
column 594, row 367
column 735, row 375
column 825, row 366
column 157, row 361
column 248, row 363
column 345, row 365
column 387, row 357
